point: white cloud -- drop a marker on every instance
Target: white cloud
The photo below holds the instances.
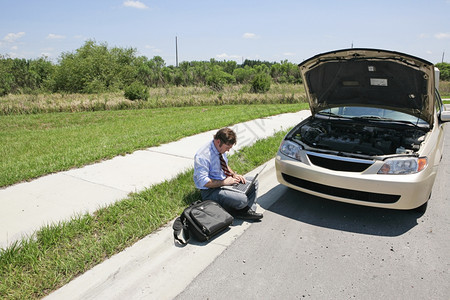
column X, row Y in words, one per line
column 289, row 54
column 46, row 54
column 135, row 4
column 53, row 36
column 442, row 35
column 226, row 56
column 249, row 35
column 12, row 37
column 153, row 48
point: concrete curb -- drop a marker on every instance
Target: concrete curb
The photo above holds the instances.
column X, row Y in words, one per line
column 156, row 268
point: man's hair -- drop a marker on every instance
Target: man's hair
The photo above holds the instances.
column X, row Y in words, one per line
column 226, row 136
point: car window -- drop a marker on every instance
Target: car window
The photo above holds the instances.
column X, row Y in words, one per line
column 372, row 112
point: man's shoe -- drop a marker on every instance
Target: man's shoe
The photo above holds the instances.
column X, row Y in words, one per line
column 249, row 215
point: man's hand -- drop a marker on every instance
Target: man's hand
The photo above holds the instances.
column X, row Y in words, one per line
column 231, row 180
column 239, row 177
column 227, row 181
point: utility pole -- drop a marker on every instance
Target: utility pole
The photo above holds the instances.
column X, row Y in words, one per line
column 176, row 50
column 443, row 52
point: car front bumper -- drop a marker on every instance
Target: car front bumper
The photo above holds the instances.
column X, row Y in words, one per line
column 363, row 188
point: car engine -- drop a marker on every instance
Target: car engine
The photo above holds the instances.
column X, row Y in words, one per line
column 362, row 138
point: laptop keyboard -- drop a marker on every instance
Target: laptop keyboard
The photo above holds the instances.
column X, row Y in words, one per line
column 242, row 186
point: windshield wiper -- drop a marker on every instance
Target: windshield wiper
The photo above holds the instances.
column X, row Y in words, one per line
column 409, row 123
column 372, row 118
column 377, row 118
column 330, row 114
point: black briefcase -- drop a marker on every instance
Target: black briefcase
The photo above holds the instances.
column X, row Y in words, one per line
column 202, row 220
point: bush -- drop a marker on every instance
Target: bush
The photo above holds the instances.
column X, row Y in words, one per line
column 244, row 75
column 217, row 78
column 261, row 83
column 444, row 69
column 136, row 91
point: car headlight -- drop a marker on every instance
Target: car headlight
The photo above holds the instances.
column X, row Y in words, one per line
column 403, row 165
column 291, row 149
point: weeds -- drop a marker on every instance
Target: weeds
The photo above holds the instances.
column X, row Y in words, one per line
column 157, row 98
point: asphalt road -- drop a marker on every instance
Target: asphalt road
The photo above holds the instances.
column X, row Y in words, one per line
column 312, row 248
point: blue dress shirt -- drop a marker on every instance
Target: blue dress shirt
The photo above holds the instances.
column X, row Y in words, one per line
column 207, row 165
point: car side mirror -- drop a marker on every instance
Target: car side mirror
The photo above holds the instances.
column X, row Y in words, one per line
column 444, row 116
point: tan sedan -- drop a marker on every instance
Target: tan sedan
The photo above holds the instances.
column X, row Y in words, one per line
column 375, row 136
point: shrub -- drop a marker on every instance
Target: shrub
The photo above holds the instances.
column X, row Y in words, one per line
column 444, row 69
column 261, row 83
column 217, row 78
column 136, row 91
column 244, row 75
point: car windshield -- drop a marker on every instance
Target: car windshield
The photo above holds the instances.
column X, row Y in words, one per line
column 358, row 112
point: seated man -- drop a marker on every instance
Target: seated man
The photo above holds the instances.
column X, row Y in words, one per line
column 211, row 173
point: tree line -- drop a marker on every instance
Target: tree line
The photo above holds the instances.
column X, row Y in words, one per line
column 97, row 68
column 444, row 69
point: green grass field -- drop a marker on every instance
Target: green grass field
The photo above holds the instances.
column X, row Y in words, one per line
column 39, row 144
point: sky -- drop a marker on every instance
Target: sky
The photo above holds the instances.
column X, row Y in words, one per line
column 225, row 30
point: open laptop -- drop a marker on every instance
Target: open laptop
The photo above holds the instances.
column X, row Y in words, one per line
column 244, row 187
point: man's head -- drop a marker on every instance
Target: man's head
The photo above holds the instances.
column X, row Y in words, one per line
column 224, row 139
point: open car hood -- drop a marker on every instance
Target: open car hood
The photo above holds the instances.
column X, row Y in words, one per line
column 372, row 78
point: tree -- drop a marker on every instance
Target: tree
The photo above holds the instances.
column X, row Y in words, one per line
column 24, row 76
column 217, row 78
column 285, row 72
column 262, row 80
column 244, row 75
column 6, row 77
column 95, row 68
column 444, row 69
column 150, row 72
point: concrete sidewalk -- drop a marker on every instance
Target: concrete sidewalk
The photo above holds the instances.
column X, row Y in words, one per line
column 155, row 267
column 28, row 206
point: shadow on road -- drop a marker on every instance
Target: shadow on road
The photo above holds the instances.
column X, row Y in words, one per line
column 339, row 216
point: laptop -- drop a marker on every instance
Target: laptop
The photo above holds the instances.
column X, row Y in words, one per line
column 244, row 187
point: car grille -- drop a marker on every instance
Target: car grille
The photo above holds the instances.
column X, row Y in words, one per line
column 340, row 192
column 336, row 163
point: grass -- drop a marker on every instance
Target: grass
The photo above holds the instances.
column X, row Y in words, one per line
column 39, row 144
column 36, row 266
column 159, row 97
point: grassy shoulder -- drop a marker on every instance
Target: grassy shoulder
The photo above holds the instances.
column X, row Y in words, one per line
column 39, row 144
column 59, row 253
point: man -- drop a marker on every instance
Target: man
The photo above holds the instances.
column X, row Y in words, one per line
column 211, row 173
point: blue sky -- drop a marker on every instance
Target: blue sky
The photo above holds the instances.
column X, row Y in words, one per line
column 226, row 30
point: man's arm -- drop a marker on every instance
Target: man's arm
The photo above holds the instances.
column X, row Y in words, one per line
column 201, row 175
column 239, row 178
column 218, row 183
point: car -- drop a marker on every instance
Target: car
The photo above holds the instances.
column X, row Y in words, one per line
column 375, row 134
